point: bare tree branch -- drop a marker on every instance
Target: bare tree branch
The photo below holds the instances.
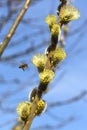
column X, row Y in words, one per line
column 58, row 126
column 69, row 101
column 13, row 28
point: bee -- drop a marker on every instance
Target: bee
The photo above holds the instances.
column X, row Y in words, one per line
column 23, row 66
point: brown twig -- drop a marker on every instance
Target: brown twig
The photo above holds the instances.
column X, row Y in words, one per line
column 14, row 26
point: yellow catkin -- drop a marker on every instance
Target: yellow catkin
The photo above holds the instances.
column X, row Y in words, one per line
column 23, row 109
column 55, row 29
column 51, row 19
column 68, row 13
column 58, row 55
column 41, row 107
column 39, row 61
column 46, row 76
column 18, row 127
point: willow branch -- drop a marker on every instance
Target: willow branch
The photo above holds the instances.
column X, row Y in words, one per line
column 14, row 26
column 42, row 88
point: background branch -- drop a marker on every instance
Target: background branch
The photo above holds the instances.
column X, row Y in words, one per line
column 14, row 26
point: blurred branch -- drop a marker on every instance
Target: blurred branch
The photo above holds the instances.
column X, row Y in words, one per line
column 27, row 51
column 45, row 127
column 11, row 93
column 6, row 110
column 13, row 28
column 58, row 126
column 79, row 29
column 69, row 101
column 51, row 105
column 8, row 122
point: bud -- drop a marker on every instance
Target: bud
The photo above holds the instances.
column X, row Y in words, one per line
column 32, row 94
column 23, row 109
column 39, row 61
column 50, row 20
column 68, row 13
column 55, row 30
column 42, row 105
column 58, row 55
column 46, row 76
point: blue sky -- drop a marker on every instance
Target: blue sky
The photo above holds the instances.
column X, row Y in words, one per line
column 71, row 76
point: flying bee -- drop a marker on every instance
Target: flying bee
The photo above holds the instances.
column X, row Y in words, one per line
column 23, row 66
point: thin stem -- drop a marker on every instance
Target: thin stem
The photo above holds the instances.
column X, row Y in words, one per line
column 32, row 114
column 14, row 26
